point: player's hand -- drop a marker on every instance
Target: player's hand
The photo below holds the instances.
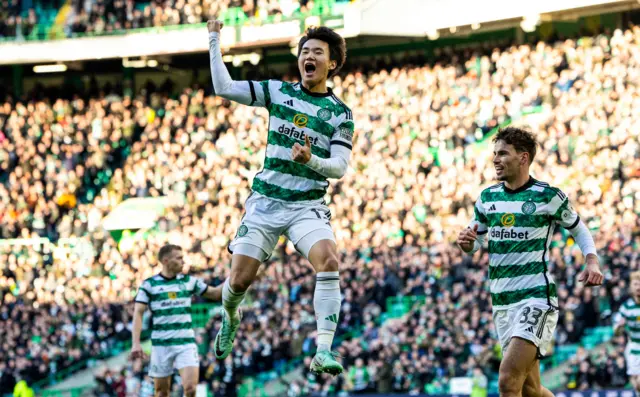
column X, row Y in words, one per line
column 301, row 154
column 591, row 275
column 467, row 237
column 136, row 353
column 214, row 25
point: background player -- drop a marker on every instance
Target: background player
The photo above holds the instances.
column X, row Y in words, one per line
column 628, row 320
column 168, row 295
column 519, row 215
column 310, row 140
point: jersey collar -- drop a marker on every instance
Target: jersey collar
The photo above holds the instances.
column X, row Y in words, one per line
column 522, row 188
column 317, row 94
column 167, row 278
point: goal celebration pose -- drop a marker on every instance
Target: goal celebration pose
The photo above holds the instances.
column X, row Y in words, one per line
column 519, row 215
column 309, row 140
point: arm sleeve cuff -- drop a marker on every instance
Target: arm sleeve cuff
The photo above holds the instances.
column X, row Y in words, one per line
column 574, row 224
column 583, row 238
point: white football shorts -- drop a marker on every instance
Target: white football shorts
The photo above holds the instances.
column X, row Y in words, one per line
column 265, row 220
column 530, row 320
column 166, row 359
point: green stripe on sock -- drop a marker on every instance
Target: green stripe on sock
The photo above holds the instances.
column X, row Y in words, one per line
column 280, row 193
column 173, row 342
column 510, row 297
column 508, row 271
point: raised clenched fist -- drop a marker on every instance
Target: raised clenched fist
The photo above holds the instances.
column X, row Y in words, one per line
column 214, row 26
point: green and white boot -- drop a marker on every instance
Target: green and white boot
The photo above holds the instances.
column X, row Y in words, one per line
column 223, row 343
column 324, row 362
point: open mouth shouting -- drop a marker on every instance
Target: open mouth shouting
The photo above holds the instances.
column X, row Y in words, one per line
column 309, row 69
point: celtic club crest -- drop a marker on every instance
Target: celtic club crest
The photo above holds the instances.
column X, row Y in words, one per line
column 242, row 230
column 528, row 207
column 324, row 114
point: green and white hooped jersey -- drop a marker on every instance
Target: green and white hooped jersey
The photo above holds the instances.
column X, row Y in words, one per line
column 170, row 303
column 294, row 113
column 519, row 224
column 630, row 311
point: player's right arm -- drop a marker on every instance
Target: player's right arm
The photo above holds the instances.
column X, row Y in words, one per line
column 471, row 239
column 141, row 303
column 245, row 92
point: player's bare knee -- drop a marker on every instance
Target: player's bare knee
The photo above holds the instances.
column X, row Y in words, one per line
column 530, row 390
column 329, row 264
column 635, row 381
column 189, row 390
column 509, row 383
column 239, row 282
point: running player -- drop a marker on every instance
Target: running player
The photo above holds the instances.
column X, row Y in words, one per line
column 519, row 215
column 629, row 320
column 173, row 345
column 309, row 141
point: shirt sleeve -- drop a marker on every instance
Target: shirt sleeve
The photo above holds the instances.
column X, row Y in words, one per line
column 479, row 218
column 619, row 317
column 246, row 92
column 343, row 133
column 562, row 211
column 341, row 145
column 143, row 294
column 200, row 286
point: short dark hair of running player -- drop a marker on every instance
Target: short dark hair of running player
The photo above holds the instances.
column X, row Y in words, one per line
column 167, row 250
column 337, row 45
column 522, row 141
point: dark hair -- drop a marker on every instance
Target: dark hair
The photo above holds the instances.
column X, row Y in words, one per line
column 166, row 250
column 522, row 140
column 337, row 45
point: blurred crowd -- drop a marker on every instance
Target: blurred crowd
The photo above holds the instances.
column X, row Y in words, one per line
column 105, row 16
column 417, row 166
column 604, row 369
column 14, row 22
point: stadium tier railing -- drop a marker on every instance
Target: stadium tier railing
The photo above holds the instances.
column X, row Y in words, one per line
column 233, row 16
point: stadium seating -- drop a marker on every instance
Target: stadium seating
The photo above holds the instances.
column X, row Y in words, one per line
column 422, row 123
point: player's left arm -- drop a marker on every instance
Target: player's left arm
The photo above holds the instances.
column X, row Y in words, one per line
column 341, row 146
column 206, row 291
column 566, row 216
column 619, row 322
column 213, row 293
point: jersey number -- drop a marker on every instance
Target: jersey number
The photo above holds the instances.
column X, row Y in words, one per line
column 535, row 316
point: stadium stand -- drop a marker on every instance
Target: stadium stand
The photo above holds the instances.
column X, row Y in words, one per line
column 416, row 169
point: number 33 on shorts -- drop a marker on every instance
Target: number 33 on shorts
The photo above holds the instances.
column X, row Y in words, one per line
column 532, row 321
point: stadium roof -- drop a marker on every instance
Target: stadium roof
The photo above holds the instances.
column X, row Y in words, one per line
column 382, row 18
